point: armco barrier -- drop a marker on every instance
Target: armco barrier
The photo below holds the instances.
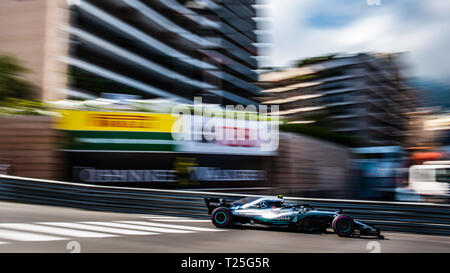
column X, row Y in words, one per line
column 394, row 216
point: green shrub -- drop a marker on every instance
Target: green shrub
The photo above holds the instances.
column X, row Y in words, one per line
column 12, row 83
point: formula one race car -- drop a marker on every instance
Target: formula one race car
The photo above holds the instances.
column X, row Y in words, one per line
column 274, row 212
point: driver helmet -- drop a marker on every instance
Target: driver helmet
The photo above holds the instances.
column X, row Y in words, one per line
column 279, row 201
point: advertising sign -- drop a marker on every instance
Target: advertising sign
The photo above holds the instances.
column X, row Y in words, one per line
column 117, row 131
column 159, row 132
column 166, row 170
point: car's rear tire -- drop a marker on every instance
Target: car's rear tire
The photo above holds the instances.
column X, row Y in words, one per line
column 343, row 225
column 221, row 217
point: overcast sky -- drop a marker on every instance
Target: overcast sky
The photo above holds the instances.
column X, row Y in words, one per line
column 306, row 28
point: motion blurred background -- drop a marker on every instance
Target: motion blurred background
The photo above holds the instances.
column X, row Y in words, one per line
column 361, row 88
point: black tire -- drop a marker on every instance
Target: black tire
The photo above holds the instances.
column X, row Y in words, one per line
column 221, row 217
column 343, row 225
column 379, row 234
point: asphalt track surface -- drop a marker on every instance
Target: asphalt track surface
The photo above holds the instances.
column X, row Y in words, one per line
column 44, row 229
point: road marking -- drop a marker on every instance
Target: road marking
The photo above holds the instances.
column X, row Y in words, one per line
column 163, row 217
column 169, row 226
column 98, row 228
column 138, row 227
column 51, row 231
column 182, row 220
column 26, row 236
column 175, row 219
column 57, row 231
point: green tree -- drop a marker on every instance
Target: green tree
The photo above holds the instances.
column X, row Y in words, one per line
column 12, row 83
column 315, row 60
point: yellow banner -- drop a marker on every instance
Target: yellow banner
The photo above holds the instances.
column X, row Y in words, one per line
column 114, row 121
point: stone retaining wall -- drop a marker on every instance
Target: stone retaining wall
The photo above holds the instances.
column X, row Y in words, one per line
column 28, row 144
column 308, row 166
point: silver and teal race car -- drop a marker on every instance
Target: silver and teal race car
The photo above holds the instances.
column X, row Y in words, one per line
column 274, row 212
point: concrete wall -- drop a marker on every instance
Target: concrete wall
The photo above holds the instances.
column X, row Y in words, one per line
column 30, row 31
column 310, row 167
column 28, row 144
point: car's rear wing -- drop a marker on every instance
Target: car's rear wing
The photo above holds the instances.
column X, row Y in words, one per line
column 213, row 203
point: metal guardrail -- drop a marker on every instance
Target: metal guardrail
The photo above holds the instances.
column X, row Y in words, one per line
column 423, row 218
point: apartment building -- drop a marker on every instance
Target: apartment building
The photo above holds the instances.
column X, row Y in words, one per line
column 171, row 49
column 364, row 95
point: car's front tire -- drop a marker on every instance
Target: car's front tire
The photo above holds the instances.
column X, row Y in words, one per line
column 343, row 225
column 221, row 217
